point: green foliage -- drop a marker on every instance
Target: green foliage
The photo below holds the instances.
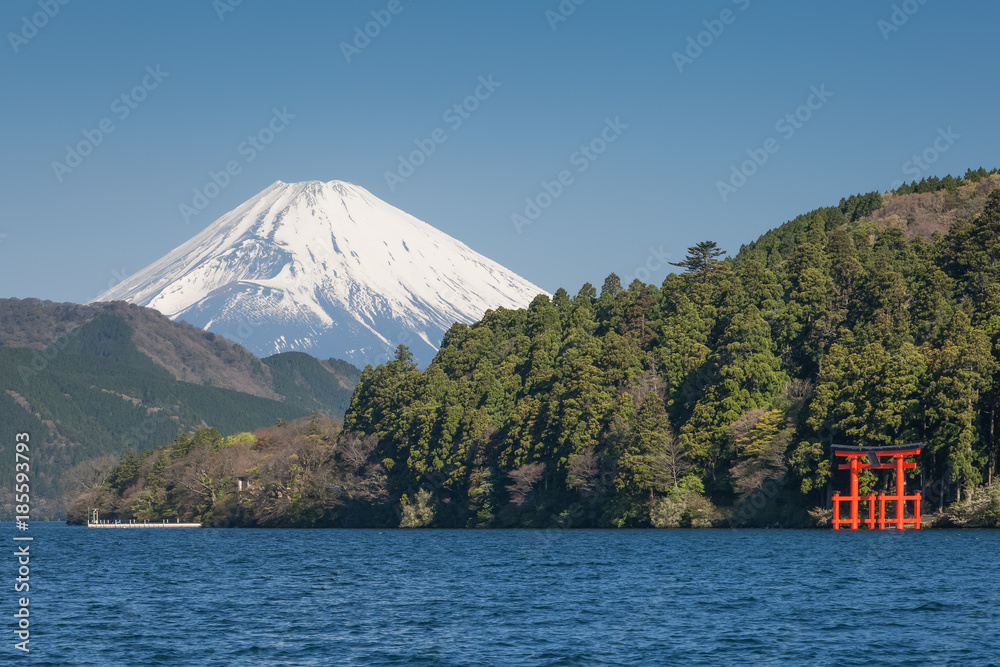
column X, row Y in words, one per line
column 949, row 182
column 277, row 476
column 685, row 506
column 654, row 405
column 701, row 258
column 304, row 381
column 95, row 389
column 860, row 206
column 778, row 244
column 125, row 472
column 979, row 509
column 641, row 472
column 419, row 513
column 811, row 465
column 236, row 438
column 622, row 394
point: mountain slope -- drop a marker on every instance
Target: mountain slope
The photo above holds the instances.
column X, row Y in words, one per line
column 187, row 352
column 88, row 381
column 920, row 213
column 328, row 269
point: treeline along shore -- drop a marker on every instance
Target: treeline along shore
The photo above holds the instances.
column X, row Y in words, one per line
column 712, row 399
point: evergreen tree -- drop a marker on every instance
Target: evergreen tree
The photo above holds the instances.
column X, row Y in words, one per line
column 749, row 376
column 642, row 468
column 701, row 258
column 959, row 373
column 612, row 285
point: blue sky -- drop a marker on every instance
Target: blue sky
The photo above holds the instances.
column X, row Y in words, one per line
column 891, row 91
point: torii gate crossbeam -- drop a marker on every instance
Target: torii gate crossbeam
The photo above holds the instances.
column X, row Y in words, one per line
column 897, row 453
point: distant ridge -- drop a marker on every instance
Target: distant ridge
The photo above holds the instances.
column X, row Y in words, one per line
column 86, row 382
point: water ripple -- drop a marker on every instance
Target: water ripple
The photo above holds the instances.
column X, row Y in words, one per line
column 357, row 597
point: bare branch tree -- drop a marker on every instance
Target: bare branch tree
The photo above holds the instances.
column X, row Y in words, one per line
column 90, row 474
column 671, row 465
column 524, row 481
column 355, row 449
column 582, row 473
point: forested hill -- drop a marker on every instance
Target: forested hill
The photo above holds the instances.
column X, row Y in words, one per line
column 917, row 209
column 188, row 353
column 88, row 382
column 718, row 393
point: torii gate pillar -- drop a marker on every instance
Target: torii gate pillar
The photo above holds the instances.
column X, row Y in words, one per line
column 898, row 453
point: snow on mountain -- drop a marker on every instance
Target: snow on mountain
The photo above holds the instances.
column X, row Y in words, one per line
column 328, row 269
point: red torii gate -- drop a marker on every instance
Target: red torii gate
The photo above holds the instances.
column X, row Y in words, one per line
column 896, row 452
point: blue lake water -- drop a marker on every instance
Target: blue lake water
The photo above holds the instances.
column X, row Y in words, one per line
column 367, row 597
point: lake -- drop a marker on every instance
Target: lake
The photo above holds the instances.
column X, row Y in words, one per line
column 509, row 597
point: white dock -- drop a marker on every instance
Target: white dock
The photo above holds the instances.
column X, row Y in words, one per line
column 140, row 524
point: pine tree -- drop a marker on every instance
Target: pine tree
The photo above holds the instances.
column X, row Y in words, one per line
column 642, row 468
column 959, row 373
column 749, row 376
column 972, row 251
column 701, row 259
column 125, row 472
column 612, row 285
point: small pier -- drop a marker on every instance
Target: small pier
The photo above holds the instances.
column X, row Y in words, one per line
column 96, row 522
column 141, row 524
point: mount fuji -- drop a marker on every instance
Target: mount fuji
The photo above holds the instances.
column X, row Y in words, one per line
column 325, row 268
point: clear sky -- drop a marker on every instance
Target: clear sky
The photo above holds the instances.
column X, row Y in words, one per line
column 218, row 71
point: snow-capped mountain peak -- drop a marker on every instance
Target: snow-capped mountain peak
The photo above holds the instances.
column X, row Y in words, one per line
column 325, row 268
